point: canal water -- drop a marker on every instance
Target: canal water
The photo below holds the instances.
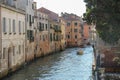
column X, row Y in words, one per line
column 66, row 65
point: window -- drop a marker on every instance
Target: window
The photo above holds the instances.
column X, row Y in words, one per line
column 33, row 19
column 40, row 18
column 43, row 26
column 75, row 36
column 30, row 18
column 4, row 24
column 19, row 26
column 43, row 38
column 23, row 28
column 27, row 17
column 32, row 6
column 19, row 49
column 54, row 36
column 89, row 28
column 4, row 52
column 68, row 36
column 10, row 26
column 30, row 36
column 23, row 48
column 46, row 27
column 75, row 24
column 13, row 50
column 68, row 24
column 75, row 30
column 14, row 26
column 57, row 37
column 40, row 25
column 50, row 36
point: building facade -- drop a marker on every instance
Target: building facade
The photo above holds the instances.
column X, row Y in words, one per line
column 30, row 30
column 54, row 30
column 13, row 38
column 42, row 36
column 20, row 4
column 73, row 29
column 35, row 28
column 29, row 7
column 86, row 33
column 57, row 36
column 51, row 36
column 63, row 35
column 27, row 33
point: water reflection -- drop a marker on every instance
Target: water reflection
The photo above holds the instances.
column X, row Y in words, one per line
column 66, row 65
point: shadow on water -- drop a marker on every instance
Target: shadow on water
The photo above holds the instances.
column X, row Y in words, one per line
column 66, row 65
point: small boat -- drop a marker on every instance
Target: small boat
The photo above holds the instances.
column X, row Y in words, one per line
column 82, row 46
column 88, row 43
column 80, row 52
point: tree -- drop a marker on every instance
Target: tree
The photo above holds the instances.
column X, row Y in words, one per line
column 106, row 15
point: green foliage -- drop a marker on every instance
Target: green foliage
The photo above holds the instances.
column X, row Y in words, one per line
column 106, row 15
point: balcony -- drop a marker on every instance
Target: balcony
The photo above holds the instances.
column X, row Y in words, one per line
column 51, row 27
column 32, row 39
column 40, row 28
column 57, row 38
column 57, row 28
column 30, row 36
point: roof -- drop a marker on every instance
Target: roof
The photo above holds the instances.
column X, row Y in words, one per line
column 12, row 8
column 70, row 17
column 52, row 15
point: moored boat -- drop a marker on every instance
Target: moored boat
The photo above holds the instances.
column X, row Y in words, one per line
column 82, row 46
column 80, row 52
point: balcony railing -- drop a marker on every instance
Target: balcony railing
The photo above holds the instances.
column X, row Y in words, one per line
column 57, row 38
column 51, row 27
column 32, row 39
column 57, row 29
column 40, row 28
column 30, row 36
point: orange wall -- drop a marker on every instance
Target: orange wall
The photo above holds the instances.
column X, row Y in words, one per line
column 72, row 41
column 86, row 31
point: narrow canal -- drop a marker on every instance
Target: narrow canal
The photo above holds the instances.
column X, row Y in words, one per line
column 66, row 65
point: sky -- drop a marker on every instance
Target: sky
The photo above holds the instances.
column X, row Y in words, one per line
column 70, row 6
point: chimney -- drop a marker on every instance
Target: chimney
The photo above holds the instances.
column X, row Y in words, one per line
column 15, row 3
